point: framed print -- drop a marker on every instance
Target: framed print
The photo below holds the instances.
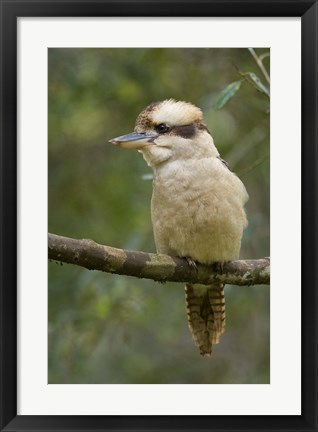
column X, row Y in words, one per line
column 86, row 346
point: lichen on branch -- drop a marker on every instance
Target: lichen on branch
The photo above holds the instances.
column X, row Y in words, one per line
column 158, row 267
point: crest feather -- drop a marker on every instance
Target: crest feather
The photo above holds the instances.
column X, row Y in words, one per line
column 171, row 112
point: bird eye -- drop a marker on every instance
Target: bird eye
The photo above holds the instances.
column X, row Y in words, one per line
column 162, row 128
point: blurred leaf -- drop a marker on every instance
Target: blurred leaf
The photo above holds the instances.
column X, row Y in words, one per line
column 227, row 94
column 102, row 307
column 258, row 83
column 147, row 176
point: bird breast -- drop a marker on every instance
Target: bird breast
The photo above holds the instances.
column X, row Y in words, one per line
column 198, row 210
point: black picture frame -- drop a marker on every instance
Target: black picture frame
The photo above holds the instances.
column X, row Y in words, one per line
column 10, row 11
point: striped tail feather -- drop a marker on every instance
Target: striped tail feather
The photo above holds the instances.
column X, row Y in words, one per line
column 206, row 314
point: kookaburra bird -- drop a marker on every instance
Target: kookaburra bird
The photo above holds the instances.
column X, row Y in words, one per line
column 197, row 205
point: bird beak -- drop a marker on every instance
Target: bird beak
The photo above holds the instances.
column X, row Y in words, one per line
column 134, row 140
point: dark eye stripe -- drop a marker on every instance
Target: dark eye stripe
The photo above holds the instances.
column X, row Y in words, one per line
column 186, row 131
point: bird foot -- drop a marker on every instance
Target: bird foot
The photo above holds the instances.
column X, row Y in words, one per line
column 192, row 263
column 218, row 267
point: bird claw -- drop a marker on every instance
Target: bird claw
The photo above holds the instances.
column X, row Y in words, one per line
column 192, row 263
column 218, row 267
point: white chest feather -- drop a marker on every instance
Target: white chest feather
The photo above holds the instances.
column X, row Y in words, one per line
column 198, row 210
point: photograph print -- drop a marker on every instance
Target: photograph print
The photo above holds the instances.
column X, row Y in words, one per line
column 159, row 215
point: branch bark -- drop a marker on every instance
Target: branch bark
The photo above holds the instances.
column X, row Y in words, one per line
column 158, row 267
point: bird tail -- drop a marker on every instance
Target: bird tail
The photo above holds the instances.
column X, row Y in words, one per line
column 206, row 314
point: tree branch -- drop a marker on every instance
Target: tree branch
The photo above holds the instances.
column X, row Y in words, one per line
column 259, row 61
column 158, row 267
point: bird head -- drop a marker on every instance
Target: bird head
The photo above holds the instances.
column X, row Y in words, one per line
column 169, row 130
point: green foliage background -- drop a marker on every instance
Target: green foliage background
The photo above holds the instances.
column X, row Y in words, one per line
column 113, row 329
